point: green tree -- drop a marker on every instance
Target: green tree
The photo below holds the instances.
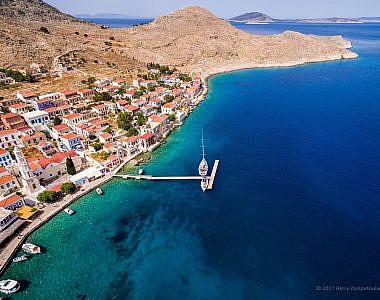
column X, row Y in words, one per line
column 169, row 98
column 68, row 188
column 132, row 131
column 97, row 146
column 171, row 117
column 47, row 134
column 108, row 129
column 57, row 121
column 121, row 91
column 101, row 97
column 70, row 167
column 141, row 120
column 47, row 196
column 124, row 120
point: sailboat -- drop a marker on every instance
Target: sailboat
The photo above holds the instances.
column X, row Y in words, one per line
column 203, row 168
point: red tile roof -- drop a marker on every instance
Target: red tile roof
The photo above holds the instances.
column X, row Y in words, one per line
column 6, row 178
column 27, row 94
column 61, row 127
column 9, row 200
column 56, row 158
column 10, row 115
column 147, row 136
column 69, row 136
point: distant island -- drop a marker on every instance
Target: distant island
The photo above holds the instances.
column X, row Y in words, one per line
column 258, row 17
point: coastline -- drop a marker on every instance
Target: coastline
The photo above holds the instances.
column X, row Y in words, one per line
column 55, row 208
column 51, row 211
column 233, row 68
column 15, row 244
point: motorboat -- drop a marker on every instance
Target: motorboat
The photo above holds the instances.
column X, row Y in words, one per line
column 9, row 286
column 99, row 191
column 69, row 211
column 141, row 171
column 20, row 258
column 31, row 248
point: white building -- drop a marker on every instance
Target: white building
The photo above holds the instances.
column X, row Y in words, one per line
column 5, row 158
column 6, row 218
column 36, row 118
column 88, row 175
column 9, row 137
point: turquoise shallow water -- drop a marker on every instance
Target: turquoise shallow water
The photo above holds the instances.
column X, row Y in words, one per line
column 295, row 204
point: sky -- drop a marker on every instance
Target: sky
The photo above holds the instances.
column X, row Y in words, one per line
column 226, row 8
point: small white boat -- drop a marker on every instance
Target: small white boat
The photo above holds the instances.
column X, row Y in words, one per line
column 30, row 248
column 204, row 184
column 9, row 286
column 20, row 258
column 99, row 191
column 69, row 211
column 141, row 171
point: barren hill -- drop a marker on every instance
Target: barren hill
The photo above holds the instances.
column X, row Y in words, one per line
column 191, row 38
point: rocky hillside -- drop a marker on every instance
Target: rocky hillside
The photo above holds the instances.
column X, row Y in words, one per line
column 32, row 10
column 191, row 38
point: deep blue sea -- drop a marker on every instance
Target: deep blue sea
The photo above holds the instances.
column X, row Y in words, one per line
column 294, row 214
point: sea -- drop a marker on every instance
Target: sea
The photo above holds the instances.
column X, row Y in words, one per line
column 295, row 209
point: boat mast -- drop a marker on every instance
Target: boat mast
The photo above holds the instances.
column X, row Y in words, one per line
column 203, row 146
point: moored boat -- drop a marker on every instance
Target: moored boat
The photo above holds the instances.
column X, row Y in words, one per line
column 9, row 286
column 20, row 258
column 204, row 184
column 31, row 248
column 99, row 191
column 141, row 171
column 69, row 211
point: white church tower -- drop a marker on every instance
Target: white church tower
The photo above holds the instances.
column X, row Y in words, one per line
column 30, row 183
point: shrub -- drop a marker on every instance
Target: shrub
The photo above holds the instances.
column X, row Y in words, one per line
column 44, row 30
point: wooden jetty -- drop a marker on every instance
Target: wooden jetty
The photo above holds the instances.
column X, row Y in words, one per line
column 211, row 178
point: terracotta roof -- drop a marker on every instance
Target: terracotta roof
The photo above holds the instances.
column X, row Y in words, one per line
column 69, row 136
column 9, row 200
column 34, row 166
column 130, row 107
column 6, row 178
column 85, row 91
column 51, row 109
column 2, row 151
column 106, row 135
column 169, row 105
column 72, row 116
column 28, row 137
column 43, row 100
column 27, row 94
column 68, row 92
column 99, row 106
column 8, row 131
column 61, row 126
column 3, row 169
column 56, row 158
column 147, row 136
column 10, row 115
column 18, row 105
column 55, row 188
column 130, row 139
